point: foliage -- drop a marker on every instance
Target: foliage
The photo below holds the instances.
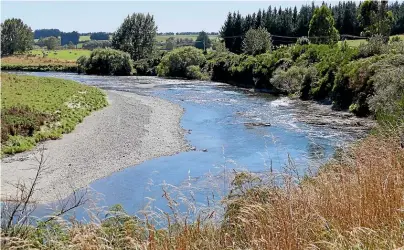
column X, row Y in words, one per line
column 388, row 98
column 70, row 38
column 289, row 81
column 202, row 41
column 99, row 36
column 39, row 108
column 303, row 40
column 322, row 29
column 291, row 22
column 219, row 46
column 136, row 36
column 106, row 62
column 148, row 66
column 395, row 39
column 16, row 37
column 375, row 46
column 257, row 41
column 51, row 43
column 43, row 33
column 170, row 43
column 375, row 18
column 90, row 45
column 176, row 62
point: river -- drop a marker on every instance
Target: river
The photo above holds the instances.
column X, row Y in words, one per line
column 220, row 119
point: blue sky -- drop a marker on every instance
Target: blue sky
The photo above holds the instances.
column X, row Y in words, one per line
column 91, row 16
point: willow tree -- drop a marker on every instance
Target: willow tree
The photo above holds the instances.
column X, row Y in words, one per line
column 136, row 36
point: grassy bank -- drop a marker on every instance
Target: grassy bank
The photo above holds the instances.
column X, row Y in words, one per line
column 38, row 108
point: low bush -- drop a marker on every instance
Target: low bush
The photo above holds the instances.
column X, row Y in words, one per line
column 388, row 98
column 289, row 81
column 106, row 62
column 376, row 45
column 176, row 62
column 95, row 44
column 148, row 66
column 21, row 121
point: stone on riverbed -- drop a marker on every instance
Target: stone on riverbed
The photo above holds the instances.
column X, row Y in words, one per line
column 257, row 124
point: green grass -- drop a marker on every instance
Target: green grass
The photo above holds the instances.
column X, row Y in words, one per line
column 356, row 43
column 84, row 38
column 63, row 103
column 65, row 54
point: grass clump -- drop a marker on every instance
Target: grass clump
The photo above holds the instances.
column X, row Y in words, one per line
column 39, row 108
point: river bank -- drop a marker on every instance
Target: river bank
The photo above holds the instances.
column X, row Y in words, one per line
column 131, row 130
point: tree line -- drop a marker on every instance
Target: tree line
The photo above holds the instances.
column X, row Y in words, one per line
column 291, row 22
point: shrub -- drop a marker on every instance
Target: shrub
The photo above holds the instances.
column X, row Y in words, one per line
column 375, row 46
column 21, row 121
column 257, row 41
column 395, row 39
column 389, row 91
column 176, row 62
column 106, row 62
column 303, row 40
column 289, row 81
column 148, row 66
column 193, row 72
column 96, row 44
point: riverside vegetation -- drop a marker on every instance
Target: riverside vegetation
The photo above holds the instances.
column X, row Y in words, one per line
column 355, row 201
column 34, row 109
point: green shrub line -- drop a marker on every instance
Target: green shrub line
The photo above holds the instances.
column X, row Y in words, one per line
column 35, row 109
column 339, row 74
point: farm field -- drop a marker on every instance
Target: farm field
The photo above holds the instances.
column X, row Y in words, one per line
column 357, row 42
column 65, row 54
column 39, row 108
column 84, row 38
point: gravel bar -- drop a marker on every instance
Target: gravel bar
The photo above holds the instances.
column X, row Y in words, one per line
column 131, row 130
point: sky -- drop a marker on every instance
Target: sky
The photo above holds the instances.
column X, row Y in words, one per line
column 170, row 16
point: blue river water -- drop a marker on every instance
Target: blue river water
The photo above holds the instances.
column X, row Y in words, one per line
column 218, row 118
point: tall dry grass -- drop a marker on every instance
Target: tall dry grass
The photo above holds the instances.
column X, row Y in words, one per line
column 353, row 202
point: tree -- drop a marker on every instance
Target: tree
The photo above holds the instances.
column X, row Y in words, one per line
column 227, row 32
column 257, row 41
column 181, row 62
column 375, row 18
column 136, row 35
column 16, row 37
column 71, row 45
column 321, row 29
column 170, row 43
column 219, row 46
column 42, row 33
column 203, row 41
column 99, row 36
column 67, row 37
column 51, row 43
